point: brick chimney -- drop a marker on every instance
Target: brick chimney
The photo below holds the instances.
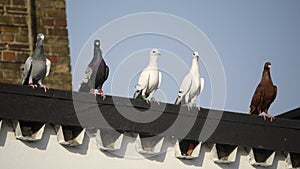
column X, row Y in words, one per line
column 20, row 22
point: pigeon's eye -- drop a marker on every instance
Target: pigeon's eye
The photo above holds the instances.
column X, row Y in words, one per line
column 153, row 51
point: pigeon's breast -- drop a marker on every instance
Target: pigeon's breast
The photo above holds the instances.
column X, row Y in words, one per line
column 194, row 88
column 38, row 69
column 153, row 80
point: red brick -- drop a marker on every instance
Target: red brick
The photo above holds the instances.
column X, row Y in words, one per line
column 53, row 59
column 61, row 22
column 47, row 22
column 8, row 56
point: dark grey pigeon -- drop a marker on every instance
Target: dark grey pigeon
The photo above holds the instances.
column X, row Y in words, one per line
column 37, row 66
column 96, row 73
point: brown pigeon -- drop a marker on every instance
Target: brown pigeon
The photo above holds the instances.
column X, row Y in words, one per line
column 264, row 95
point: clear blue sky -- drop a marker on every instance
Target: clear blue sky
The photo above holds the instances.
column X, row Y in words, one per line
column 245, row 34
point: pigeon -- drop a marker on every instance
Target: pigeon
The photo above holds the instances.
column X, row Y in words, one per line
column 264, row 94
column 37, row 66
column 96, row 73
column 149, row 80
column 192, row 85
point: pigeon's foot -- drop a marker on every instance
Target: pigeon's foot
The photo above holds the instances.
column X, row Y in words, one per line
column 270, row 117
column 32, row 85
column 198, row 107
column 102, row 95
column 154, row 100
column 144, row 98
column 147, row 100
column 263, row 115
column 44, row 87
column 189, row 107
column 93, row 91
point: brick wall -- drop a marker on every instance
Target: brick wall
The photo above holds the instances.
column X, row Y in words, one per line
column 20, row 22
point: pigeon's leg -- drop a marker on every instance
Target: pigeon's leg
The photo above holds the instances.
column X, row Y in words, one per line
column 152, row 98
column 269, row 116
column 144, row 96
column 262, row 115
column 93, row 91
column 43, row 86
column 30, row 83
column 194, row 103
column 186, row 99
column 100, row 91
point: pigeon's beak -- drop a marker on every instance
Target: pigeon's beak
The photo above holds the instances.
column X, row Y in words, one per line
column 269, row 66
column 158, row 53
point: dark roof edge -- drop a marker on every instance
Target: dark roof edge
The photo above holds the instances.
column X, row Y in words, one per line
column 83, row 109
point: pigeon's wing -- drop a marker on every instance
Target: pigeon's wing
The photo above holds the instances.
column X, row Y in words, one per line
column 142, row 83
column 202, row 82
column 106, row 72
column 27, row 67
column 257, row 99
column 87, row 75
column 184, row 88
column 159, row 79
column 48, row 67
column 274, row 94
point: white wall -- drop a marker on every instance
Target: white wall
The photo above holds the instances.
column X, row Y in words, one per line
column 49, row 154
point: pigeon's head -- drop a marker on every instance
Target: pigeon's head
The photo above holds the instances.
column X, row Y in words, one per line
column 40, row 37
column 267, row 66
column 154, row 52
column 97, row 42
column 196, row 55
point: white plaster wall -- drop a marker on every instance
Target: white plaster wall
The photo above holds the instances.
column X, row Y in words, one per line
column 49, row 154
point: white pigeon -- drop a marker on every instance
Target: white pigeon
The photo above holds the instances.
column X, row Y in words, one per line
column 192, row 85
column 149, row 80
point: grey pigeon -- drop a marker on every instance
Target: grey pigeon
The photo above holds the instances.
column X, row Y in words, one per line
column 192, row 85
column 96, row 73
column 37, row 66
column 149, row 80
column 264, row 94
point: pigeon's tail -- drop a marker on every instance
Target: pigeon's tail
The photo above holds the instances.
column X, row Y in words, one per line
column 84, row 87
column 137, row 94
column 178, row 100
column 25, row 81
column 253, row 110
